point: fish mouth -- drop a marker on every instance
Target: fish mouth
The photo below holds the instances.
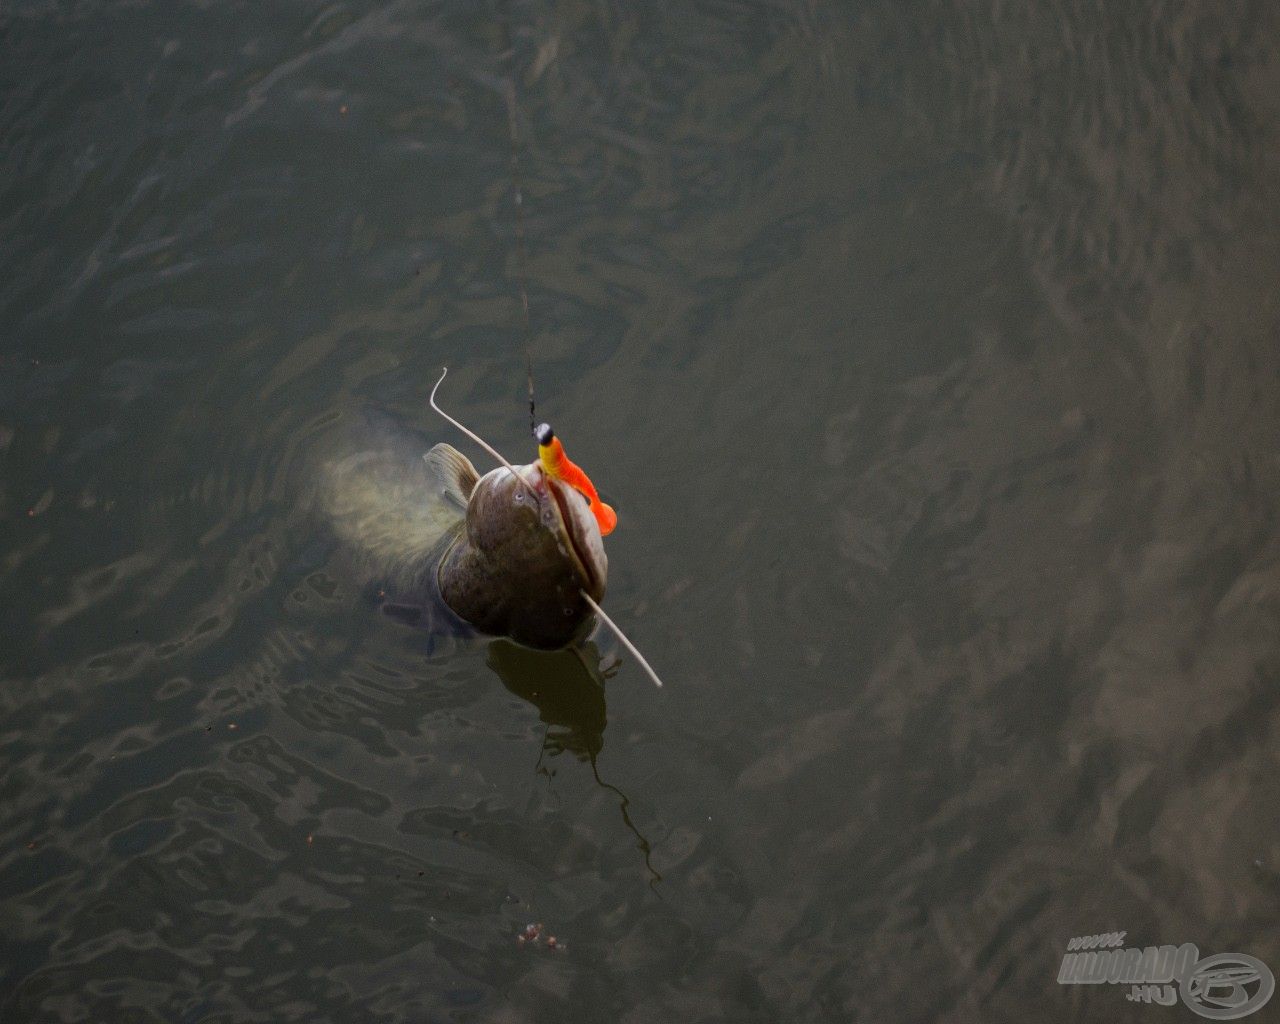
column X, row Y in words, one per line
column 580, row 528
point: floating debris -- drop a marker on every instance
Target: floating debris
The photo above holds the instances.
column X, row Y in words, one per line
column 532, row 935
column 41, row 506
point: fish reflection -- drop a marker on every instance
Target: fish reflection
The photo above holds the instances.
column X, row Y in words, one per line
column 568, row 689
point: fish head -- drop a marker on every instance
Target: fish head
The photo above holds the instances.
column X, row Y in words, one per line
column 529, row 550
column 537, row 521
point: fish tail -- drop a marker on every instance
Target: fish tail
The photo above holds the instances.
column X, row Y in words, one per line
column 605, row 516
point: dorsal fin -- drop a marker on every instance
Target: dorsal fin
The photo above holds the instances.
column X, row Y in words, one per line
column 456, row 473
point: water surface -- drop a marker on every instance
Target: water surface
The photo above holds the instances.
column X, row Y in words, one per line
column 929, row 354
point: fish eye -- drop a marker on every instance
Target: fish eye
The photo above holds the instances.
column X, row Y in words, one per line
column 568, row 612
column 544, row 434
column 519, row 497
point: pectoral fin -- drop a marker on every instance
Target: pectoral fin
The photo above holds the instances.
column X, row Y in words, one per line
column 455, row 471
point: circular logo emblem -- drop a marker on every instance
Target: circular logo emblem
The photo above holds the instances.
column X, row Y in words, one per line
column 1218, row 986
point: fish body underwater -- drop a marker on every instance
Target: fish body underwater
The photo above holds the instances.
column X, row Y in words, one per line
column 506, row 554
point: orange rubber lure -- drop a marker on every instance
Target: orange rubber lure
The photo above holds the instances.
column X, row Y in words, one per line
column 555, row 463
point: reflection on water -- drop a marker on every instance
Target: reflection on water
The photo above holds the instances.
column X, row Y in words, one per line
column 928, row 353
column 567, row 688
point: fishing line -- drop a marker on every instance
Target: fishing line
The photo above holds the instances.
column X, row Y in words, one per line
column 522, row 256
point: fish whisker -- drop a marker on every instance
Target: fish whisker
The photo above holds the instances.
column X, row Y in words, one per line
column 617, row 631
column 471, row 433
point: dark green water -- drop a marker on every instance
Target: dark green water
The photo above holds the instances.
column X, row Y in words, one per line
column 929, row 352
